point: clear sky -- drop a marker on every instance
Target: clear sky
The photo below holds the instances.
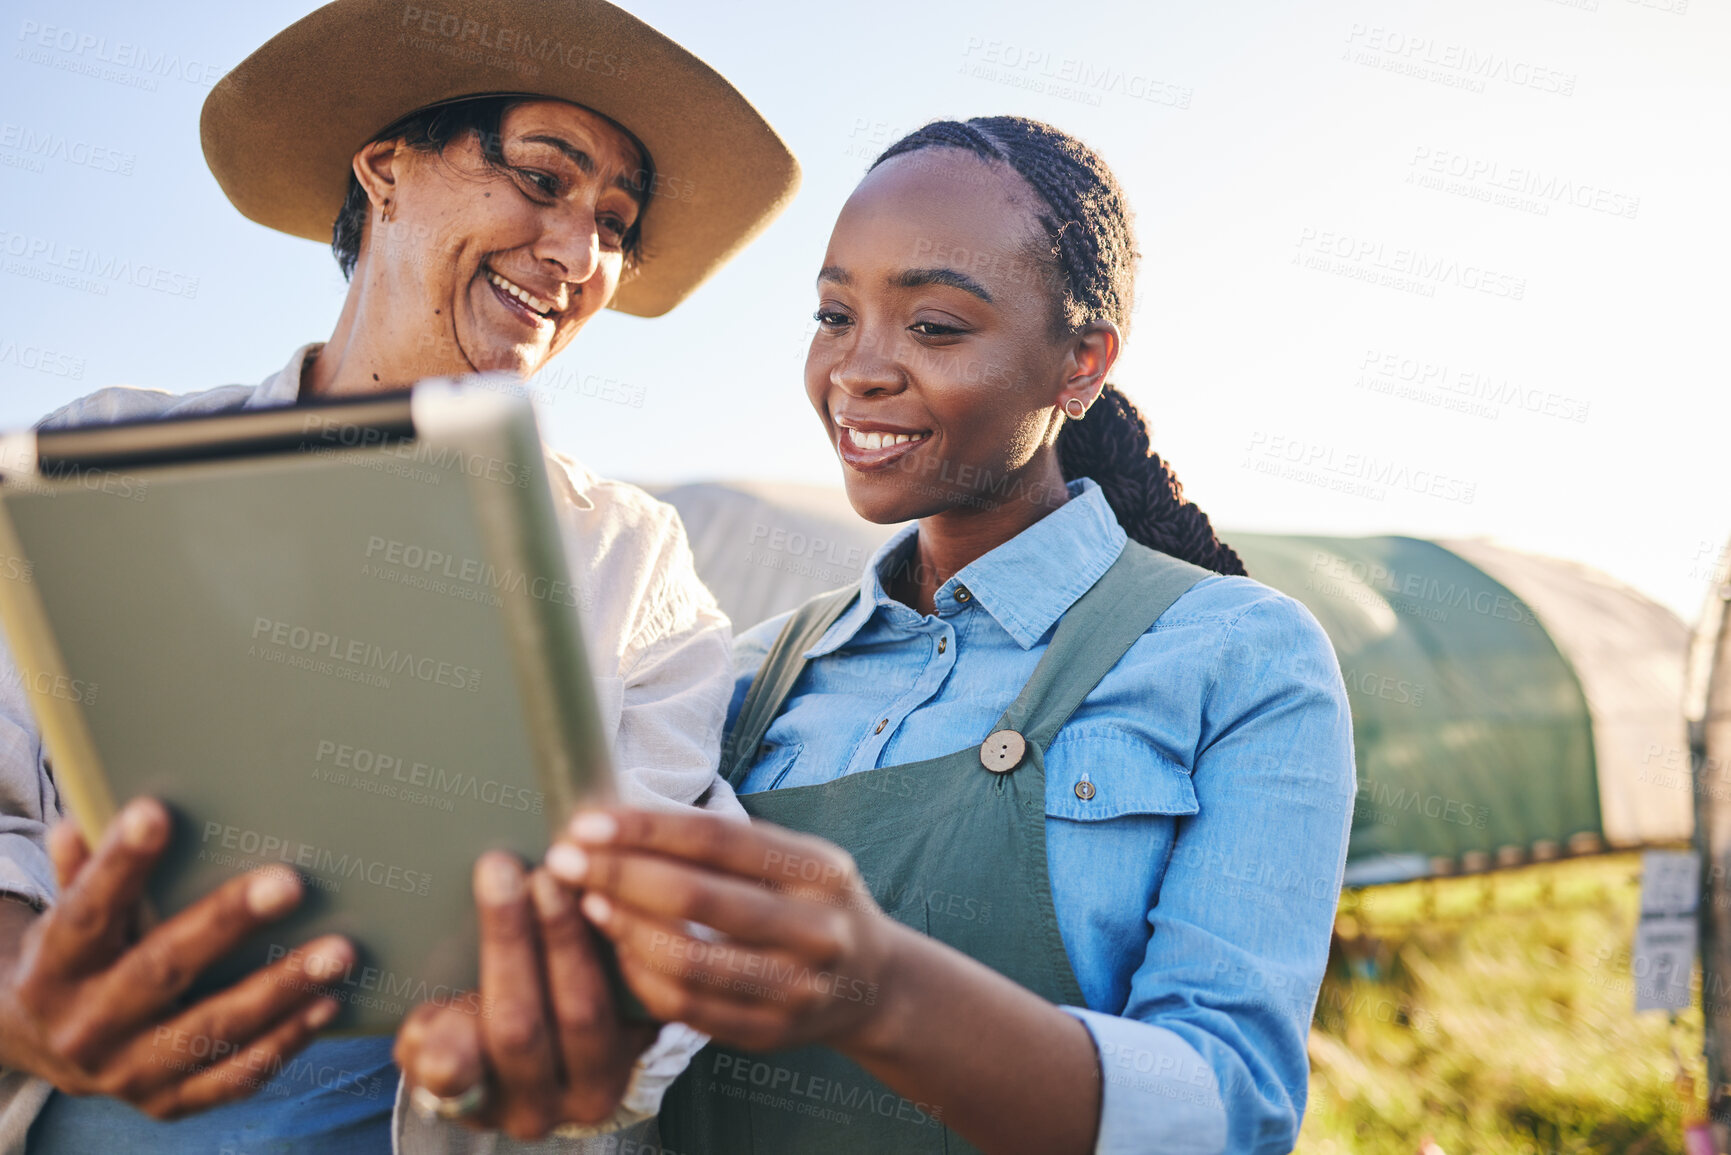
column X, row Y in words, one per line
column 1435, row 269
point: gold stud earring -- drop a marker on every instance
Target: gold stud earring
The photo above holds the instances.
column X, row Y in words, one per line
column 1075, row 408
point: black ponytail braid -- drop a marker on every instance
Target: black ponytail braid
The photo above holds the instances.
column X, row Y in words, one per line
column 1093, row 249
column 1111, row 446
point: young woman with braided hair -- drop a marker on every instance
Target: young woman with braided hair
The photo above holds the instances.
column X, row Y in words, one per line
column 1053, row 806
column 1084, row 212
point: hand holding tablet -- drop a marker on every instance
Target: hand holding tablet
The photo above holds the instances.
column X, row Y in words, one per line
column 337, row 639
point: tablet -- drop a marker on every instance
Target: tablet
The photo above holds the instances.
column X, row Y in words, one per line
column 341, row 637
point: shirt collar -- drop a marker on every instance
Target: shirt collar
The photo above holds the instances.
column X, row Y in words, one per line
column 284, row 386
column 1026, row 584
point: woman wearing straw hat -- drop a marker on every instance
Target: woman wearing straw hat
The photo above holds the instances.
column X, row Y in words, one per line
column 490, row 176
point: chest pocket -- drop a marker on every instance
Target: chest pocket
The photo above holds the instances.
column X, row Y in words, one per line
column 1099, row 772
column 771, row 767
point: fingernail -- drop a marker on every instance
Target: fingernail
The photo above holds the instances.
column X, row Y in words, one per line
column 597, row 908
column 139, row 825
column 498, row 880
column 569, row 863
column 326, row 958
column 272, row 892
column 594, row 826
column 438, row 1067
column 550, row 900
column 322, row 1012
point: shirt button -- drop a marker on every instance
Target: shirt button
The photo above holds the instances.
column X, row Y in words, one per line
column 1002, row 751
column 1084, row 790
column 962, row 594
column 881, row 726
column 941, row 642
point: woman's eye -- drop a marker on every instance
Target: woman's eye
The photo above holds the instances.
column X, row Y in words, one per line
column 933, row 329
column 612, row 228
column 830, row 318
column 544, row 182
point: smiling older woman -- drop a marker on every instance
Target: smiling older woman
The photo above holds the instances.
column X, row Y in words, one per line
column 489, row 183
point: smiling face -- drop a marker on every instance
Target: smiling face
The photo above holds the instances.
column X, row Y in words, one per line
column 495, row 266
column 936, row 367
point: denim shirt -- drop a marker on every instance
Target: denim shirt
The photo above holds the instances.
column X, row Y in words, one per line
column 1196, row 881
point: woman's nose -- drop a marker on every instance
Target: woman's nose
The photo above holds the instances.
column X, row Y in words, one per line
column 868, row 366
column 572, row 240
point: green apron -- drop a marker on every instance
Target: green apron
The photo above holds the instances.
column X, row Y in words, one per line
column 954, row 847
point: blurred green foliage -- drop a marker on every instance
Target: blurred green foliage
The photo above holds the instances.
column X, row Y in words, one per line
column 1494, row 1015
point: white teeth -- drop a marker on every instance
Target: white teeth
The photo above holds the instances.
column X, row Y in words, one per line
column 872, row 439
column 519, row 292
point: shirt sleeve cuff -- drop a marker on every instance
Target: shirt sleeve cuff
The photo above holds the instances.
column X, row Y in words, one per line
column 657, row 1067
column 1158, row 1097
column 25, row 871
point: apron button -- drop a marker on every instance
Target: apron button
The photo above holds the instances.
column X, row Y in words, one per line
column 1084, row 790
column 1002, row 751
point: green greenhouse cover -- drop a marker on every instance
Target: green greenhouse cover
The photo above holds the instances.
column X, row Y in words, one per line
column 1471, row 728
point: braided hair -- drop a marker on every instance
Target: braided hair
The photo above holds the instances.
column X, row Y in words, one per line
column 1093, row 248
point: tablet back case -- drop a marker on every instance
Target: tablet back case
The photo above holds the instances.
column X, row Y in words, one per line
column 360, row 660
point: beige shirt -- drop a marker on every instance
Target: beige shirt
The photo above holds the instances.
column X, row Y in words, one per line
column 660, row 647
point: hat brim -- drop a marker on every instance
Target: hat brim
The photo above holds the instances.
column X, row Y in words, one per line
column 280, row 131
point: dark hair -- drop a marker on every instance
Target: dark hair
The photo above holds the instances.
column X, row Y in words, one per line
column 433, row 128
column 1093, row 248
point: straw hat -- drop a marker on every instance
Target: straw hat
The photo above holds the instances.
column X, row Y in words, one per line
column 281, row 129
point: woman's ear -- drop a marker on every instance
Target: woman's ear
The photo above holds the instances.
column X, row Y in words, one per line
column 375, row 168
column 1093, row 350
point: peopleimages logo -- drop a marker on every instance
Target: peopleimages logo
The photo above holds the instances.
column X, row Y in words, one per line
column 1459, row 65
column 468, row 571
column 41, row 360
column 88, row 269
column 369, row 986
column 41, row 145
column 1484, row 176
column 768, row 1084
column 1332, row 574
column 85, row 52
column 326, row 864
column 1463, row 390
column 202, row 1051
column 397, row 776
column 1380, row 801
column 339, row 435
column 1351, row 472
column 1064, row 76
column 49, row 685
column 1400, row 266
column 353, row 654
column 521, row 48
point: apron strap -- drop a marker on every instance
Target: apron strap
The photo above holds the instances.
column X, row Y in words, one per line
column 1094, row 634
column 781, row 669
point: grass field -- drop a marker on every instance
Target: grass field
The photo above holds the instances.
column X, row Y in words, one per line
column 1495, row 1016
